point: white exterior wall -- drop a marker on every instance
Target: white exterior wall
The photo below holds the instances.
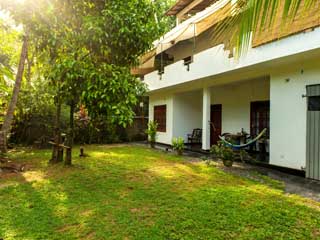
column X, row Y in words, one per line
column 288, row 110
column 289, row 114
column 187, row 114
column 282, row 60
column 156, row 100
column 184, row 110
column 236, row 100
column 215, row 61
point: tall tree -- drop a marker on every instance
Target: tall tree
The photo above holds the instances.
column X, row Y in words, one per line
column 16, row 9
column 5, row 129
column 88, row 48
column 10, row 41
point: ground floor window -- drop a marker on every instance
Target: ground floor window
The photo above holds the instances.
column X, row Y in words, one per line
column 260, row 117
column 314, row 103
column 160, row 116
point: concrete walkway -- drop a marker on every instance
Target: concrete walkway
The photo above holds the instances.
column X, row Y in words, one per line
column 295, row 184
column 292, row 184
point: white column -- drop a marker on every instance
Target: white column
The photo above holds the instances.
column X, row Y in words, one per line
column 206, row 109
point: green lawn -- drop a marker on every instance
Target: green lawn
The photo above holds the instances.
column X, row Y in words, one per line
column 136, row 193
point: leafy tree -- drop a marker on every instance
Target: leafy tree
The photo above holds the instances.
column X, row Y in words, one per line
column 8, row 61
column 34, row 113
column 165, row 23
column 8, row 48
column 6, row 71
column 87, row 49
column 14, row 98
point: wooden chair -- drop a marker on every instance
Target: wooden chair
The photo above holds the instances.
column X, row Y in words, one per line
column 195, row 137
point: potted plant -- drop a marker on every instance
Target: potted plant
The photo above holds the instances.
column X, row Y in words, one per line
column 178, row 145
column 224, row 153
column 215, row 151
column 152, row 132
column 227, row 156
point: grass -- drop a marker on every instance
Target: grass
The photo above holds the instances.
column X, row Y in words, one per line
column 132, row 192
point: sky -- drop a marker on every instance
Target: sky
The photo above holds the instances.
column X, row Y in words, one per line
column 8, row 20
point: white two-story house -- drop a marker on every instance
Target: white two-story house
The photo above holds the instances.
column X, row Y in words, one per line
column 195, row 80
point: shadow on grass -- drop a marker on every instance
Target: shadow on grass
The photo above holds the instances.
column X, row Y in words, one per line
column 135, row 193
column 28, row 213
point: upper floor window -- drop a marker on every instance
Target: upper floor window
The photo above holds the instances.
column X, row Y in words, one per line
column 160, row 116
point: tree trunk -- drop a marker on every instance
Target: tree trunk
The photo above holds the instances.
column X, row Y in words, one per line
column 68, row 160
column 3, row 143
column 56, row 151
column 10, row 112
column 29, row 68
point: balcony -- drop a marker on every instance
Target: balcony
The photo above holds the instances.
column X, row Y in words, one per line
column 215, row 61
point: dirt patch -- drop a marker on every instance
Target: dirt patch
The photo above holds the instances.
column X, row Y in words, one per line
column 120, row 145
column 9, row 166
column 90, row 235
column 134, row 210
column 316, row 233
column 87, row 213
column 5, row 185
column 67, row 228
column 12, row 173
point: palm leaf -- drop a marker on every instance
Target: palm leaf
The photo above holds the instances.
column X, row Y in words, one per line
column 6, row 71
column 253, row 16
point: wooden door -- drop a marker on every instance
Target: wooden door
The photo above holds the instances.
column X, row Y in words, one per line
column 216, row 123
column 260, row 117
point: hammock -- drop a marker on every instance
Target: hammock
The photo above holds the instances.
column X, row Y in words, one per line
column 238, row 147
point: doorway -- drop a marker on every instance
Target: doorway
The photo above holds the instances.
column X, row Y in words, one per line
column 260, row 118
column 216, row 123
column 313, row 132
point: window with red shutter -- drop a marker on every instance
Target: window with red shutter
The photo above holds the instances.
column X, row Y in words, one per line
column 160, row 116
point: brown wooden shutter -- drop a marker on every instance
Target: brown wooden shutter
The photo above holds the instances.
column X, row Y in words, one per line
column 160, row 116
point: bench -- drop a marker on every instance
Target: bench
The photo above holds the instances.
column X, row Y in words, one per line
column 195, row 137
column 61, row 148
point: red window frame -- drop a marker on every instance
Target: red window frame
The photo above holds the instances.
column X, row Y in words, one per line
column 160, row 116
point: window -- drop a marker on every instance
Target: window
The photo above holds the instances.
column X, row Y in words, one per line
column 314, row 103
column 160, row 116
column 187, row 61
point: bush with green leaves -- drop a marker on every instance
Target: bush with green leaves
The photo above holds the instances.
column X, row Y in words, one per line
column 178, row 144
column 223, row 152
column 152, row 131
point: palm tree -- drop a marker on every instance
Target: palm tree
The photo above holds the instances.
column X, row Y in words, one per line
column 253, row 16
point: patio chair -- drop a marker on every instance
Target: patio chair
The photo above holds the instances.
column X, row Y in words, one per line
column 195, row 137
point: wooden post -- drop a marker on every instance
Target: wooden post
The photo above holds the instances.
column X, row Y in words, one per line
column 60, row 154
column 69, row 140
column 82, row 151
column 68, row 159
